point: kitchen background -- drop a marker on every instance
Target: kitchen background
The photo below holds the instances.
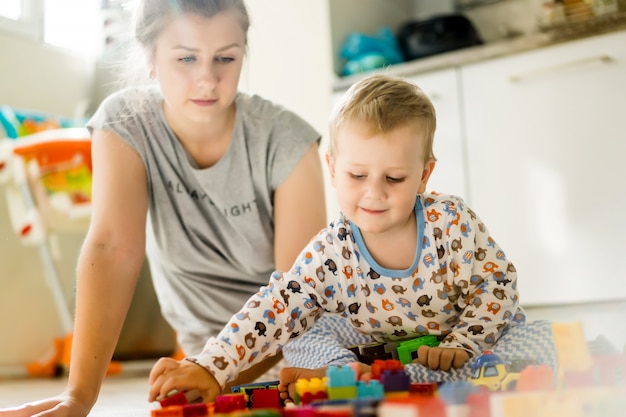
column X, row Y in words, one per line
column 531, row 133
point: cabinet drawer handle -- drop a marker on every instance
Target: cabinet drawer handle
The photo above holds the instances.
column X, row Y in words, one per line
column 603, row 59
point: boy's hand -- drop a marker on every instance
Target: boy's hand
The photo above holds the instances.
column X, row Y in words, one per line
column 169, row 375
column 441, row 358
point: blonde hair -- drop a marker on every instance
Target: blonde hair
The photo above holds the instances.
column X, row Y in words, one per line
column 383, row 103
column 150, row 18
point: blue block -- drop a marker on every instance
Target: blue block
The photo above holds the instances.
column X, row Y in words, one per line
column 340, row 376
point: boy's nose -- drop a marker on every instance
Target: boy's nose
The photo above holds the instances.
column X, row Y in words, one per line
column 375, row 189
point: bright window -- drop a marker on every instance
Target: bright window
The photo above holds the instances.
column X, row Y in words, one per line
column 70, row 24
column 11, row 9
column 21, row 17
column 75, row 25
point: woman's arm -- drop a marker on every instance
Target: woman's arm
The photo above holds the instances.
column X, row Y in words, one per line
column 299, row 209
column 110, row 260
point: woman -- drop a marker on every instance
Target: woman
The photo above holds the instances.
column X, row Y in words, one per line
column 229, row 185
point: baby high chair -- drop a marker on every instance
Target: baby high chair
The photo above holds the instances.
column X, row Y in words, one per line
column 48, row 177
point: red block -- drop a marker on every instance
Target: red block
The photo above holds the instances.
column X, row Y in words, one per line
column 170, row 411
column 309, row 397
column 266, row 398
column 187, row 410
column 176, row 399
column 195, row 410
column 426, row 389
column 230, row 402
column 379, row 366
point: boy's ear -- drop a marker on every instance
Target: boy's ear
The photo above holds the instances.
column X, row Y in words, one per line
column 330, row 161
column 426, row 173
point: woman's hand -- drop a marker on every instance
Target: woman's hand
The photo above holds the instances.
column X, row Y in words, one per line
column 441, row 358
column 169, row 375
column 62, row 406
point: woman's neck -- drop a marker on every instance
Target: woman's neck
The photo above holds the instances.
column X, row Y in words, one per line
column 205, row 142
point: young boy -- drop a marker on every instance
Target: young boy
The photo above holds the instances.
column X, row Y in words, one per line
column 398, row 262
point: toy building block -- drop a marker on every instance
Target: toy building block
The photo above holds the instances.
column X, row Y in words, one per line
column 605, row 371
column 195, row 410
column 571, row 348
column 395, row 382
column 378, row 366
column 265, row 398
column 456, row 392
column 181, row 398
column 340, row 376
column 309, row 390
column 170, row 411
column 407, row 350
column 301, row 411
column 334, row 408
column 412, row 406
column 372, row 389
column 312, row 397
column 479, row 404
column 431, row 406
column 245, row 388
column 356, row 407
column 253, row 387
column 367, row 354
column 227, row 403
column 391, row 375
column 186, row 410
column 175, row 398
column 365, row 407
column 342, row 393
column 424, row 389
column 258, row 413
column 536, row 378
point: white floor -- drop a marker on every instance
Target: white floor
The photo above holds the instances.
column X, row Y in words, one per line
column 120, row 396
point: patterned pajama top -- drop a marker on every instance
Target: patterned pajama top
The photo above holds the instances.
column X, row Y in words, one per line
column 461, row 287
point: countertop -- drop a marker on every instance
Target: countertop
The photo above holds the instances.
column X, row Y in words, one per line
column 540, row 39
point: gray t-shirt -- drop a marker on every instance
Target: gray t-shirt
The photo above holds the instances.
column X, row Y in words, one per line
column 210, row 234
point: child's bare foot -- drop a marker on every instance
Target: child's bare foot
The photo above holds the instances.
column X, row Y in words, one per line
column 289, row 376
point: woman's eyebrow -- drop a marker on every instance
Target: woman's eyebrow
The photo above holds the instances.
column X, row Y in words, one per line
column 192, row 49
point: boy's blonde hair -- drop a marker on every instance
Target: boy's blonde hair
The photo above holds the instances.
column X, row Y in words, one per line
column 383, row 103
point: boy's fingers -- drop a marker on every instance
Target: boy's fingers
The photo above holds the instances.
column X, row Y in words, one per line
column 422, row 355
column 162, row 366
column 446, row 358
column 429, row 356
column 460, row 358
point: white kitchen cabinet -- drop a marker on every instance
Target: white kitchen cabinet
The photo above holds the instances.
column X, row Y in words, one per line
column 546, row 141
column 450, row 171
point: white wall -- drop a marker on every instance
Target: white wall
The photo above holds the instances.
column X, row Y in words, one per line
column 290, row 62
column 44, row 78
